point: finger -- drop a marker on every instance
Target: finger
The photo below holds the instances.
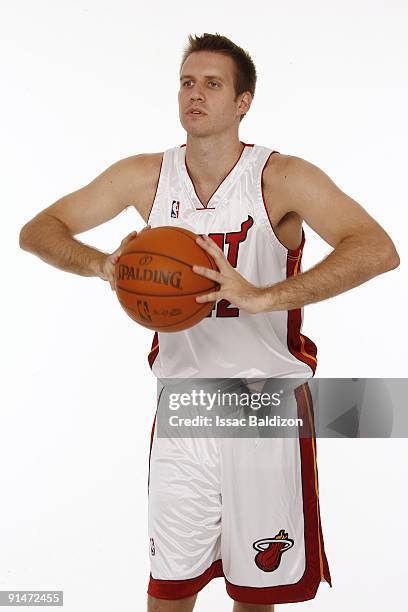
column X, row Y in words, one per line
column 111, row 278
column 128, row 238
column 214, row 250
column 145, row 228
column 208, row 297
column 208, row 243
column 116, row 254
column 208, row 273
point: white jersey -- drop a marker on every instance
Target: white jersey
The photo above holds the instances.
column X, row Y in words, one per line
column 230, row 342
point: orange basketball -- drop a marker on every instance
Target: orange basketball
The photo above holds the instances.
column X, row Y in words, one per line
column 155, row 282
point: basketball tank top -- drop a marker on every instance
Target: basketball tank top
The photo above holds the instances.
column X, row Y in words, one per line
column 230, row 342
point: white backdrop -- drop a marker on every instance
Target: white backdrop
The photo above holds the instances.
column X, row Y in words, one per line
column 86, row 83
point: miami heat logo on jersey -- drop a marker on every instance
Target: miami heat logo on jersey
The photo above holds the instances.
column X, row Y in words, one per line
column 223, row 308
column 271, row 550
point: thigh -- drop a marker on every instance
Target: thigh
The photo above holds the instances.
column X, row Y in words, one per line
column 262, row 501
column 272, row 545
column 184, row 511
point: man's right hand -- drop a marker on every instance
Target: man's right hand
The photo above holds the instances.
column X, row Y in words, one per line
column 108, row 264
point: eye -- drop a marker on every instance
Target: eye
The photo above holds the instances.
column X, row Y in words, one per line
column 213, row 84
column 186, row 83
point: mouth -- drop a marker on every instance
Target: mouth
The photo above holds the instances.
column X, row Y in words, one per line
column 195, row 112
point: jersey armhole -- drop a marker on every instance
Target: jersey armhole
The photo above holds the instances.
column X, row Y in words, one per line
column 159, row 185
column 265, row 220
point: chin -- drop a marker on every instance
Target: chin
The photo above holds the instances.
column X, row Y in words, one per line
column 199, row 133
column 196, row 131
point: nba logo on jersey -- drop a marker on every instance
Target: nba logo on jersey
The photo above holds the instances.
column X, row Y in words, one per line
column 175, row 205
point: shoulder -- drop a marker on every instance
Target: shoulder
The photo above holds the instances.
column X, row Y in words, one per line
column 136, row 177
column 281, row 168
column 288, row 179
column 143, row 167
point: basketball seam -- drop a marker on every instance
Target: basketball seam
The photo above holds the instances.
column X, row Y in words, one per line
column 183, row 231
column 165, row 294
column 159, row 255
column 171, row 324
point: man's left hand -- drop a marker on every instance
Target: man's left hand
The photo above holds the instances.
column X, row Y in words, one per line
column 232, row 286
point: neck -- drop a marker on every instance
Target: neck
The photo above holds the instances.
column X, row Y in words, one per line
column 210, row 159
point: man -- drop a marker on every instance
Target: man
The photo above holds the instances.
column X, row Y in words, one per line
column 214, row 508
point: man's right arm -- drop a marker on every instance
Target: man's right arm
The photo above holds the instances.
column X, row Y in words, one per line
column 50, row 234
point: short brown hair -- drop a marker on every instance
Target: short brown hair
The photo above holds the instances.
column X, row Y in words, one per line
column 245, row 71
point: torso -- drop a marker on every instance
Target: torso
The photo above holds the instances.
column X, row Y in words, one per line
column 245, row 217
column 287, row 224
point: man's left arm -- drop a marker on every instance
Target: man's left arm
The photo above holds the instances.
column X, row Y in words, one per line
column 362, row 249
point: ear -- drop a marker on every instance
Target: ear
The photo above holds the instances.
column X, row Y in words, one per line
column 245, row 102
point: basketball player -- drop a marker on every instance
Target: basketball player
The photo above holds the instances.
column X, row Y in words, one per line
column 215, row 507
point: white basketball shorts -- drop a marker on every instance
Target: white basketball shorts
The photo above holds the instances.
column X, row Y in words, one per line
column 243, row 509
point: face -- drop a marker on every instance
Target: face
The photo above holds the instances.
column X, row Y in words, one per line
column 207, row 101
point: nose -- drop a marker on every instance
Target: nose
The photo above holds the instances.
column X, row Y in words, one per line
column 196, row 93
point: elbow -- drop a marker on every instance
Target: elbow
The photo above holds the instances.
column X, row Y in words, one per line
column 23, row 238
column 390, row 259
column 394, row 260
column 28, row 237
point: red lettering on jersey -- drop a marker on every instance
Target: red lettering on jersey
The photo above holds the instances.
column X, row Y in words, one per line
column 233, row 239
column 218, row 239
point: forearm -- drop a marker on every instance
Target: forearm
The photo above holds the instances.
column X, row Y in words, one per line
column 51, row 241
column 353, row 262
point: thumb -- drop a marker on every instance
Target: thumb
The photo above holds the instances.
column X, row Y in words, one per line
column 116, row 254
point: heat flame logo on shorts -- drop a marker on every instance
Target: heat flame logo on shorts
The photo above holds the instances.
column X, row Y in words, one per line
column 270, row 551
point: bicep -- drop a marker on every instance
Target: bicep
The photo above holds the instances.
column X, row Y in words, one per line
column 99, row 201
column 329, row 211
